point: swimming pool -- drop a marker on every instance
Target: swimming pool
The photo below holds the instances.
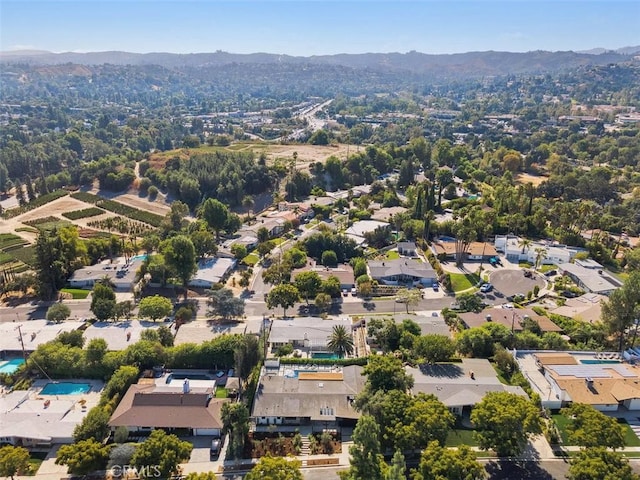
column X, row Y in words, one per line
column 596, row 362
column 142, row 258
column 446, row 239
column 65, row 388
column 11, row 366
column 295, row 373
column 330, row 355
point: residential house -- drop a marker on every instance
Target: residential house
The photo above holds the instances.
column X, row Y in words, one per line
column 343, row 272
column 587, row 307
column 555, row 254
column 211, row 271
column 408, row 249
column 149, row 405
column 311, row 333
column 322, row 400
column 590, row 279
column 562, row 378
column 17, row 338
column 402, row 271
column 385, row 214
column 476, row 251
column 122, row 275
column 41, row 420
column 459, row 386
column 358, row 230
column 512, row 318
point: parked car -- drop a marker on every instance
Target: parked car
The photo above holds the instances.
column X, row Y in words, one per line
column 435, row 287
column 220, row 373
column 569, row 294
column 528, row 273
column 216, row 447
column 551, row 273
column 487, row 287
column 354, row 292
column 345, row 293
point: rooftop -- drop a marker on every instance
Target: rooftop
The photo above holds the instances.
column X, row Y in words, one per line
column 34, row 333
column 212, row 270
column 314, row 329
column 118, row 335
column 452, row 382
column 322, row 396
column 400, row 266
column 594, row 280
column 361, row 227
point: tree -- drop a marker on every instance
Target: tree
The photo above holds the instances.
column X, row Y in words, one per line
column 622, row 308
column 58, row 312
column 366, row 459
column 201, row 476
column 323, row 302
column 180, row 256
column 205, row 243
column 425, row 419
column 437, row 462
column 475, row 342
column 541, row 254
column 331, row 286
column 74, row 338
column 525, row 244
column 275, row 468
column 408, row 296
column 223, row 304
column 295, row 257
column 96, row 350
column 444, row 176
column 123, row 309
column 385, row 372
column 278, row 272
column 471, row 224
column 155, row 307
column 340, row 341
column 235, row 420
column 215, row 213
column 84, row 456
column 284, row 295
column 94, row 426
column 239, row 251
column 183, row 315
column 103, row 301
column 308, row 284
column 434, row 348
column 165, row 452
column 262, row 234
column 598, row 463
column 329, row 258
column 398, row 469
column 14, row 461
column 470, row 302
column 504, row 422
column 590, row 428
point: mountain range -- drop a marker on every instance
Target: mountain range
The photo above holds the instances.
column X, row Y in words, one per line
column 444, row 65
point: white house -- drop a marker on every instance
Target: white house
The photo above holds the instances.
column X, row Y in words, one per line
column 402, row 271
column 555, row 254
column 211, row 271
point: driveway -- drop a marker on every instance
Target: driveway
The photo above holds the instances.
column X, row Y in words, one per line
column 510, row 282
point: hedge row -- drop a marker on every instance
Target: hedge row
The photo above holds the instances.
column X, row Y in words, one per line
column 84, row 213
column 38, row 202
column 324, row 361
column 86, row 197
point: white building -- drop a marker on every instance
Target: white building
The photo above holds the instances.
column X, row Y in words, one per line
column 555, row 254
column 211, row 271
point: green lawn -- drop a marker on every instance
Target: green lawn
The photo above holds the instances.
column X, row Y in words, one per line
column 463, row 281
column 221, row 392
column 251, row 259
column 392, row 255
column 547, row 268
column 277, row 241
column 461, row 436
column 77, row 293
column 35, row 461
column 630, row 438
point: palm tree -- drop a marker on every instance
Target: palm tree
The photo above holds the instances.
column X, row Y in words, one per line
column 541, row 254
column 525, row 243
column 340, row 341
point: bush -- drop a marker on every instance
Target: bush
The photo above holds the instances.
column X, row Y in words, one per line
column 284, row 350
column 84, row 213
column 536, row 290
column 153, row 192
column 143, row 185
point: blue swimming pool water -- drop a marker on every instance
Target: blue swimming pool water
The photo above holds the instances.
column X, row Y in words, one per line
column 295, row 373
column 65, row 388
column 596, row 362
column 142, row 257
column 324, row 355
column 11, row 366
column 446, row 239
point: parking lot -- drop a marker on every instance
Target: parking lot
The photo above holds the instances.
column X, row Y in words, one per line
column 511, row 282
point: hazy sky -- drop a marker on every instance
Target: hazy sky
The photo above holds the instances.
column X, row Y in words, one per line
column 315, row 27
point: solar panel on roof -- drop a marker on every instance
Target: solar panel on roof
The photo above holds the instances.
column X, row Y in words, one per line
column 594, row 371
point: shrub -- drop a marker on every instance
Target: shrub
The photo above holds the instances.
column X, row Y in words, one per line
column 84, row 213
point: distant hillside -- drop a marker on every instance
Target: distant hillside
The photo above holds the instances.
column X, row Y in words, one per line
column 624, row 50
column 456, row 65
